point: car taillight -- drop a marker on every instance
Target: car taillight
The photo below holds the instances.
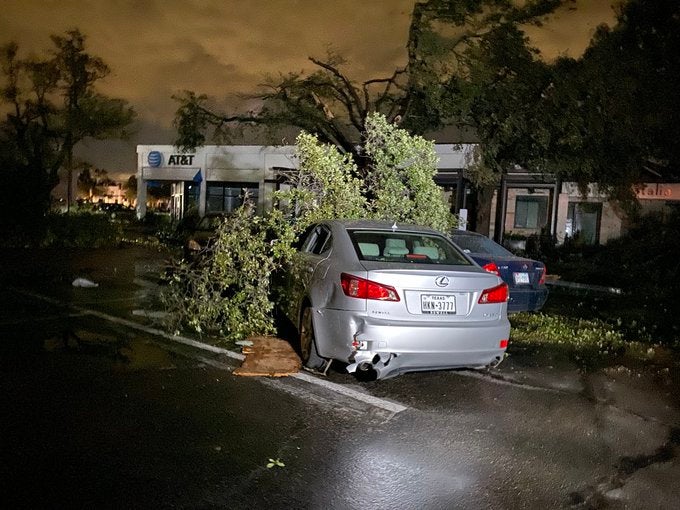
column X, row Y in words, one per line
column 497, row 294
column 491, row 267
column 353, row 286
column 541, row 281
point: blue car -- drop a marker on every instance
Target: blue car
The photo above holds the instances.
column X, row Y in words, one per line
column 525, row 277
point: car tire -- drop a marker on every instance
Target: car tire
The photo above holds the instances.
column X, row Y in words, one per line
column 308, row 352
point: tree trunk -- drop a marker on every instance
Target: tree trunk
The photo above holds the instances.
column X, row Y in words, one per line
column 483, row 206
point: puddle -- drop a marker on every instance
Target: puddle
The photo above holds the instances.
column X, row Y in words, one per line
column 127, row 353
column 140, row 354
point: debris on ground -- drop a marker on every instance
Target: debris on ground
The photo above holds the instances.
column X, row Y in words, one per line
column 150, row 314
column 84, row 282
column 67, row 340
column 269, row 357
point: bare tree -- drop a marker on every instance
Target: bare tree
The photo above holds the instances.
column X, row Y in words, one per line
column 328, row 103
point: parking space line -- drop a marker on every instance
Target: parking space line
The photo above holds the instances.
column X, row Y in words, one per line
column 500, row 380
column 337, row 388
column 392, row 407
column 159, row 332
column 380, row 403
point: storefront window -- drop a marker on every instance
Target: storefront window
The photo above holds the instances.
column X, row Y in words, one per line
column 225, row 197
column 531, row 212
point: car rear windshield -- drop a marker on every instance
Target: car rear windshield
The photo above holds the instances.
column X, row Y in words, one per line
column 480, row 244
column 398, row 246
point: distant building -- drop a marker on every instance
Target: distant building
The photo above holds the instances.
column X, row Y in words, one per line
column 212, row 178
column 112, row 194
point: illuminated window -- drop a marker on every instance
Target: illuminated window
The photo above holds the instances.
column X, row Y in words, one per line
column 191, row 194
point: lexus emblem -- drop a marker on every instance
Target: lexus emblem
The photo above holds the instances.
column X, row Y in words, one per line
column 441, row 281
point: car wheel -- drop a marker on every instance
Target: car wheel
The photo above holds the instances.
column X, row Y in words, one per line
column 310, row 357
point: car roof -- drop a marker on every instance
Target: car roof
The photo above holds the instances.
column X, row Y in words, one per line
column 379, row 224
column 467, row 233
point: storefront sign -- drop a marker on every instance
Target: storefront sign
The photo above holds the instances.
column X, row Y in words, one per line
column 181, row 160
column 155, row 159
column 656, row 191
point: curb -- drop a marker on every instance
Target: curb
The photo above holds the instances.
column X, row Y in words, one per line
column 585, row 286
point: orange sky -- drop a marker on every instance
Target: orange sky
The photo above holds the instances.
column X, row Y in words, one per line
column 156, row 48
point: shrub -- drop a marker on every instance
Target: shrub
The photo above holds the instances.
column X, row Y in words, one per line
column 77, row 230
column 644, row 263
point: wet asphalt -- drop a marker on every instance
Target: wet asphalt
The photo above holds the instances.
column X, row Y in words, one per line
column 97, row 414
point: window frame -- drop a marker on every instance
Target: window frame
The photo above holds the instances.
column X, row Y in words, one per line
column 236, row 199
column 541, row 214
column 317, row 241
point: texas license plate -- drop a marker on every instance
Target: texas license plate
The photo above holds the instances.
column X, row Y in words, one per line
column 521, row 278
column 438, row 304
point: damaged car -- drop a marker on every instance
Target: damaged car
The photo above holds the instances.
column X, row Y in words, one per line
column 386, row 298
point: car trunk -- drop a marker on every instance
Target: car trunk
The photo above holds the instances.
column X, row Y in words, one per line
column 436, row 294
column 521, row 273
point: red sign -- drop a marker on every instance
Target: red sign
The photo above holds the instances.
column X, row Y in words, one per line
column 655, row 191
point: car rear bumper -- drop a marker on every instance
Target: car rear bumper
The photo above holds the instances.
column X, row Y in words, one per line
column 392, row 346
column 527, row 300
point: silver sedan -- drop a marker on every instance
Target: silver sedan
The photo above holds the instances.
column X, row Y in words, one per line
column 387, row 298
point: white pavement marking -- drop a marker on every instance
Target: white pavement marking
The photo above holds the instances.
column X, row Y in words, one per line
column 392, row 407
column 518, row 384
column 140, row 327
column 337, row 388
column 159, row 332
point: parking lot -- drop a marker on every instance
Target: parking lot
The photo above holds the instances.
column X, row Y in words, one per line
column 105, row 409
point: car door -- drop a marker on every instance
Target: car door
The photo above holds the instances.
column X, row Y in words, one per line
column 308, row 268
column 315, row 259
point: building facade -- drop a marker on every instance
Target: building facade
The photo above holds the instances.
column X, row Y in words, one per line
column 216, row 179
column 211, row 178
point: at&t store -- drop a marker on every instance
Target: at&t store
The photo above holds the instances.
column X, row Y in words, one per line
column 212, row 178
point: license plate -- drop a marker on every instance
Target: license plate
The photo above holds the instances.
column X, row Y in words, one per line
column 521, row 277
column 438, row 304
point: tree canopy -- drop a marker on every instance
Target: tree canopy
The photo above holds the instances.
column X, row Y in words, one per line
column 621, row 101
column 400, row 185
column 51, row 105
column 609, row 116
column 333, row 106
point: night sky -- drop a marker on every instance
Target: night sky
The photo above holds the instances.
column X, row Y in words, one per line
column 156, row 48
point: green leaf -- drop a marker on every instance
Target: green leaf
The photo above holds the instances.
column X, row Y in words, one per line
column 275, row 462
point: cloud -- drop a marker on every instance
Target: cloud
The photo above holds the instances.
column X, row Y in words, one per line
column 570, row 30
column 156, row 48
